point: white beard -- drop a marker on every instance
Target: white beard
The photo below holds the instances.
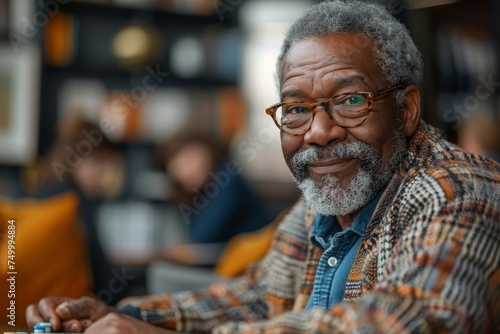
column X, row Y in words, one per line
column 327, row 196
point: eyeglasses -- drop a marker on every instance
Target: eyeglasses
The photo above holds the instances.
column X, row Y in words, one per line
column 347, row 110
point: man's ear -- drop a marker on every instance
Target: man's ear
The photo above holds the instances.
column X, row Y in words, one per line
column 411, row 110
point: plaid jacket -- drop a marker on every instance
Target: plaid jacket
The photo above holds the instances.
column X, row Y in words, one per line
column 429, row 261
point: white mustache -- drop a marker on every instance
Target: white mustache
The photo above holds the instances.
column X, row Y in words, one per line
column 358, row 150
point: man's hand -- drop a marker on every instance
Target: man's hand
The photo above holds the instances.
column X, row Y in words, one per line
column 115, row 323
column 67, row 314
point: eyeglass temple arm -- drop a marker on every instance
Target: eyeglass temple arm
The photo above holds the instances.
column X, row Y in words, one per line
column 387, row 90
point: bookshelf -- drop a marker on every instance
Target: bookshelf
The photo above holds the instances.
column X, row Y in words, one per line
column 142, row 70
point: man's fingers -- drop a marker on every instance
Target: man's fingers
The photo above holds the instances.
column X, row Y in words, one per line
column 47, row 306
column 72, row 326
column 86, row 323
column 33, row 316
column 75, row 309
column 64, row 310
column 72, row 315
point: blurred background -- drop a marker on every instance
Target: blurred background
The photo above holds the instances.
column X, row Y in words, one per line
column 141, row 71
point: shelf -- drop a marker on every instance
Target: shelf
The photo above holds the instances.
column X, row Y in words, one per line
column 85, row 8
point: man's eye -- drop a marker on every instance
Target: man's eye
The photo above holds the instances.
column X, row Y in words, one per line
column 297, row 109
column 354, row 100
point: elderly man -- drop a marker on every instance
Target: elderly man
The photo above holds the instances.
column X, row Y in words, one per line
column 398, row 231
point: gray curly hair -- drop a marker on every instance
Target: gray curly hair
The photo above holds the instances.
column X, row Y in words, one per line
column 397, row 55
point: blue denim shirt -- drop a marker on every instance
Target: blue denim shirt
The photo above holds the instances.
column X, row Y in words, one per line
column 340, row 250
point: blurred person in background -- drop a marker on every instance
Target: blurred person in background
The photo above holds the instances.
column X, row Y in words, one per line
column 82, row 160
column 83, row 157
column 210, row 193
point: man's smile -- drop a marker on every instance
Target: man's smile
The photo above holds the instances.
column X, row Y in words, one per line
column 332, row 166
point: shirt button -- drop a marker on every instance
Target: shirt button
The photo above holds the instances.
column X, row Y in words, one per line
column 332, row 261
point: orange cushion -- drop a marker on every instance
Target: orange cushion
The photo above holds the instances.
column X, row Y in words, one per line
column 50, row 257
column 246, row 249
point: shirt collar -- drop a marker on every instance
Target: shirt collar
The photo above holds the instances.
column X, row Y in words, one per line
column 325, row 226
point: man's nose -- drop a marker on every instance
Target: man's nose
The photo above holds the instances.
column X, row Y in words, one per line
column 323, row 130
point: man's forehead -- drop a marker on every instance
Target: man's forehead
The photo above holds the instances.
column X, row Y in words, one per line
column 327, row 53
column 343, row 45
column 338, row 80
